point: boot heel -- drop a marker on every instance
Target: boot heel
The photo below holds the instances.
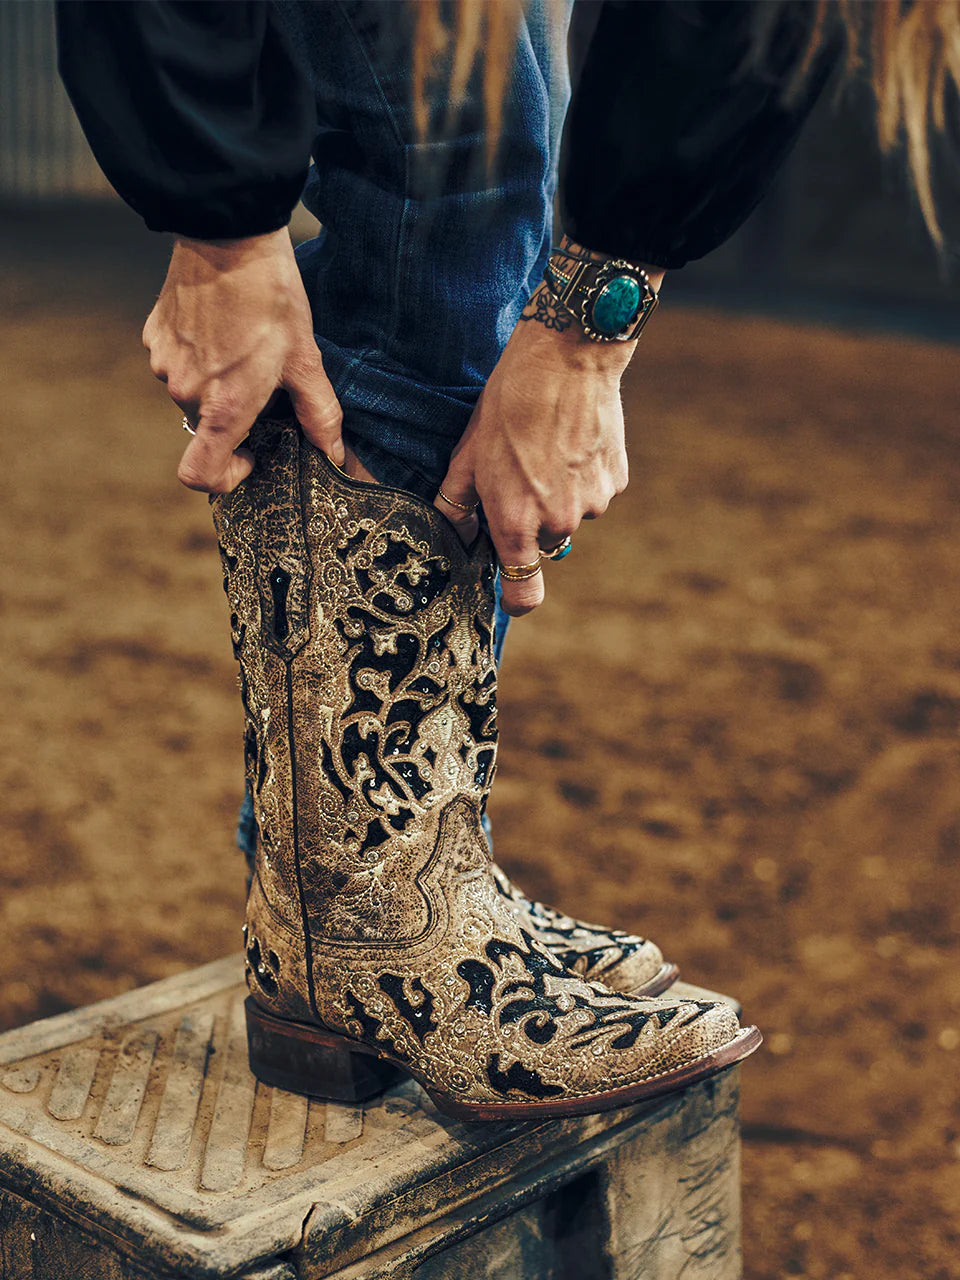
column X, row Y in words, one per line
column 305, row 1059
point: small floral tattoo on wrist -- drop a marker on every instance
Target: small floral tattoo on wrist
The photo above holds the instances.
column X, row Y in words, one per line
column 545, row 308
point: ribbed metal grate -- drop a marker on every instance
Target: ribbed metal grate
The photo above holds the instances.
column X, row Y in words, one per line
column 42, row 149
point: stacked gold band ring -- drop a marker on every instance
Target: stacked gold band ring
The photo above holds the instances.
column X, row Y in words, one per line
column 519, row 572
column 461, row 506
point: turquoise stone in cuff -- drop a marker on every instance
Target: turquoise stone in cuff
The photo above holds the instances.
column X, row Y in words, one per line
column 616, row 305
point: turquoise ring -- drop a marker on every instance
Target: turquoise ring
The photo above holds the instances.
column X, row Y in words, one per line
column 561, row 550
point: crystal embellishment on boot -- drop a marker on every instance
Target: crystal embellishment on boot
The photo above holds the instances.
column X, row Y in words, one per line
column 378, row 938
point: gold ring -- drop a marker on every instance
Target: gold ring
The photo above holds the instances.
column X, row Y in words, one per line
column 519, row 572
column 461, row 506
column 185, row 423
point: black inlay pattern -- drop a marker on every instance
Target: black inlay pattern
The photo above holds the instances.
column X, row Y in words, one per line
column 481, row 981
column 588, row 959
column 263, row 969
column 585, row 943
column 536, row 1010
column 250, row 750
column 480, row 709
column 237, row 637
column 244, row 691
column 397, row 675
column 502, row 889
column 484, row 765
column 376, row 835
column 413, row 597
column 517, row 1077
column 418, row 1014
column 395, row 682
column 279, row 589
column 330, row 771
column 372, row 1026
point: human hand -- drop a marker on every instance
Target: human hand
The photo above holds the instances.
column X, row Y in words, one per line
column 544, row 448
column 232, row 325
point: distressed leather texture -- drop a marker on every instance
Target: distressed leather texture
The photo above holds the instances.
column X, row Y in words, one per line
column 364, row 634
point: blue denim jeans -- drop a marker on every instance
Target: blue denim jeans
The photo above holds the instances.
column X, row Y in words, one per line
column 426, row 258
column 426, row 255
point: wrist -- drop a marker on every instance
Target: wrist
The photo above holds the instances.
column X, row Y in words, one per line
column 610, row 299
column 552, row 334
column 227, row 253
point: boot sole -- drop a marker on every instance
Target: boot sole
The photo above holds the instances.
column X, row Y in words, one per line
column 307, row 1059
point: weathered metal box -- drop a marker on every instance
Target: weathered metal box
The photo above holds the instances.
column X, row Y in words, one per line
column 135, row 1144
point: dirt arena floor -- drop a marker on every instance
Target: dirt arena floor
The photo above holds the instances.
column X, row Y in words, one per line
column 733, row 726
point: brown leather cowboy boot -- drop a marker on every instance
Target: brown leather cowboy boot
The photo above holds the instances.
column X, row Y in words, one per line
column 621, row 961
column 377, row 938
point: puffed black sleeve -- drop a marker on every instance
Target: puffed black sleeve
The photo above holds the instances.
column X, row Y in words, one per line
column 197, row 112
column 669, row 143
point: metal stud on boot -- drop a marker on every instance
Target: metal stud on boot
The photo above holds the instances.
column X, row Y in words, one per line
column 378, row 940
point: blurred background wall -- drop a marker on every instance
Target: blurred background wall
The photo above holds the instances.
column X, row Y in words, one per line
column 43, row 153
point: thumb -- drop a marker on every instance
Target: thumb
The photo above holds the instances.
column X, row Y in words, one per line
column 457, row 497
column 316, row 406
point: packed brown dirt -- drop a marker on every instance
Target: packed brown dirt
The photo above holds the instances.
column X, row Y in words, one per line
column 732, row 726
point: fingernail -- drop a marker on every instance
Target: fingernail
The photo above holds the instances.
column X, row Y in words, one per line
column 339, row 453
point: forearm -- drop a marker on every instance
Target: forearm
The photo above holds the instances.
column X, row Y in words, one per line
column 197, row 112
column 671, row 138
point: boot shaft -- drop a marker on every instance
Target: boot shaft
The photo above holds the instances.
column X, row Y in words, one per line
column 364, row 632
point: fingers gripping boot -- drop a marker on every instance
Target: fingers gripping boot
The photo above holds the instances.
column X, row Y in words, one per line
column 377, row 938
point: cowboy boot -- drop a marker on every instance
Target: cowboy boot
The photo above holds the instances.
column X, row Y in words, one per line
column 621, row 961
column 377, row 940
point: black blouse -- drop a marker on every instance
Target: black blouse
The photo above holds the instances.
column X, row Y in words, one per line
column 202, row 120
